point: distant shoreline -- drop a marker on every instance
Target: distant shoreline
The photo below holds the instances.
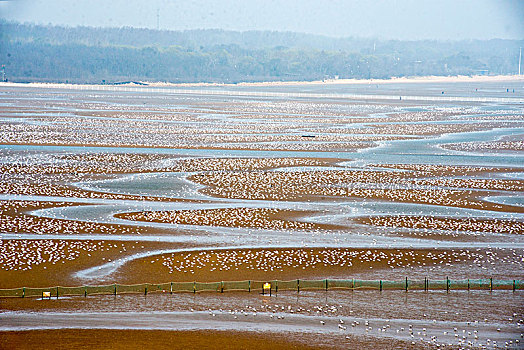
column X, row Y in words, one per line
column 401, row 80
column 394, row 80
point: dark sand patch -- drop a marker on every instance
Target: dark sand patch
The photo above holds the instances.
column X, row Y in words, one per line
column 152, row 339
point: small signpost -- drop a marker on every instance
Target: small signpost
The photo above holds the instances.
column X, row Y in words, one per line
column 266, row 288
column 46, row 295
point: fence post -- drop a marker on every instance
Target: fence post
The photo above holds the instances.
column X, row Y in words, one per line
column 352, row 284
column 171, row 288
column 459, row 285
column 249, row 286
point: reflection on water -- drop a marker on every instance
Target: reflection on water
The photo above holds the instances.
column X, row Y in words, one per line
column 516, row 200
column 171, row 185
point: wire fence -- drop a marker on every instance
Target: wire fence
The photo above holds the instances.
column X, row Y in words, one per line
column 265, row 287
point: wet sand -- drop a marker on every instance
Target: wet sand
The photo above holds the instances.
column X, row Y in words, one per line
column 453, row 227
column 325, row 319
column 17, row 216
column 287, row 264
column 196, row 187
column 46, row 263
column 126, row 339
column 512, row 146
column 392, row 186
column 262, row 218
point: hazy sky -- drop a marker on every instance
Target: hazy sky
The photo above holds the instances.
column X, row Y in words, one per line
column 391, row 19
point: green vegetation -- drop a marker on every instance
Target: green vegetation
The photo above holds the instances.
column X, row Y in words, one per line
column 96, row 55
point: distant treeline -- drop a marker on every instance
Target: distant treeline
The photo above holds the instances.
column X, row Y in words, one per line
column 96, row 55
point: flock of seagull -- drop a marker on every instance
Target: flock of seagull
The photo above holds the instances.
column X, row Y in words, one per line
column 254, row 125
column 263, row 218
column 362, row 260
column 27, row 223
column 388, row 185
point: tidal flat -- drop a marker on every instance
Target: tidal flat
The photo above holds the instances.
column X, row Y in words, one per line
column 103, row 185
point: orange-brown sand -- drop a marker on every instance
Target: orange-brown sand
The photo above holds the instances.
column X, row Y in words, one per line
column 154, row 339
column 311, row 263
column 391, row 186
column 264, row 218
column 15, row 217
column 489, row 147
column 452, row 225
column 44, row 263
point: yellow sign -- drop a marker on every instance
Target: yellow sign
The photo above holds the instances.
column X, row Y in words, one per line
column 267, row 285
column 46, row 294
